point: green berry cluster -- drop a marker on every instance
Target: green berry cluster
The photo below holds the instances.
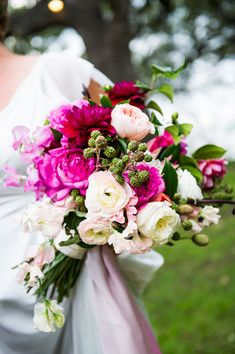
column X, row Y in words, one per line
column 138, row 152
column 138, row 178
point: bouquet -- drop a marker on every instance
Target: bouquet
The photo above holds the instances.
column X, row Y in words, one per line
column 111, row 174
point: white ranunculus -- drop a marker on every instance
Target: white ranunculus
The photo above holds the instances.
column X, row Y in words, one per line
column 105, row 197
column 210, row 215
column 47, row 316
column 45, row 217
column 187, row 185
column 158, row 221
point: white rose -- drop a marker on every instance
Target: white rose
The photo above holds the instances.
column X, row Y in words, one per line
column 210, row 215
column 105, row 196
column 187, row 186
column 47, row 316
column 45, row 217
column 158, row 221
column 130, row 122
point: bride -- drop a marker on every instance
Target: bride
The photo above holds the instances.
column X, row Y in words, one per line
column 102, row 315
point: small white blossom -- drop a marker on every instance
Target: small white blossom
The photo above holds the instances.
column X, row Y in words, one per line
column 187, row 185
column 210, row 215
column 48, row 316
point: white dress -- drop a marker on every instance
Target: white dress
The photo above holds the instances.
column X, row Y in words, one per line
column 55, row 79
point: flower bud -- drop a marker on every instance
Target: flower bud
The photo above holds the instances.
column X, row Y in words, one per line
column 91, row 142
column 176, row 197
column 185, row 209
column 120, row 179
column 135, row 182
column 125, row 159
column 138, row 156
column 100, row 142
column 133, row 145
column 143, row 176
column 174, row 117
column 80, row 200
column 110, row 152
column 142, row 147
column 88, row 153
column 95, row 134
column 176, row 236
column 148, row 158
column 200, row 240
column 105, row 162
column 187, row 225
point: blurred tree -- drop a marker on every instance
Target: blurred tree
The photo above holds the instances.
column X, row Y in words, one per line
column 166, row 31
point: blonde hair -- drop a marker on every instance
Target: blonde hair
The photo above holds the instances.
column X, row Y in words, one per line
column 3, row 18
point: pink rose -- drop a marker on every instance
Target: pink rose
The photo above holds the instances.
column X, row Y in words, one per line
column 95, row 231
column 130, row 122
column 212, row 169
column 62, row 170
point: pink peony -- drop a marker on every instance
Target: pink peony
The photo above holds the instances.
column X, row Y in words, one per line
column 62, row 170
column 212, row 169
column 160, row 141
column 123, row 91
column 152, row 188
column 130, row 122
column 76, row 122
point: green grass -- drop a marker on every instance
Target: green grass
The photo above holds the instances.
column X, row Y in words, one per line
column 191, row 300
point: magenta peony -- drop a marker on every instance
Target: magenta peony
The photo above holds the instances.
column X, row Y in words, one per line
column 152, row 188
column 62, row 170
column 76, row 122
column 126, row 90
column 212, row 169
column 160, row 141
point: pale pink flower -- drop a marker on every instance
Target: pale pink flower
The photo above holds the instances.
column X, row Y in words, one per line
column 34, row 272
column 12, row 178
column 95, row 231
column 41, row 254
column 212, row 169
column 130, row 122
column 135, row 244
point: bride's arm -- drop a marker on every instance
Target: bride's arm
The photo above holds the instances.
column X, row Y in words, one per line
column 95, row 89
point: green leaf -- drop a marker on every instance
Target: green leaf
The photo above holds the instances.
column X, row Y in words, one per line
column 155, row 106
column 122, row 145
column 57, row 135
column 72, row 221
column 189, row 161
column 85, row 245
column 122, row 102
column 167, row 90
column 194, row 171
column 170, row 178
column 154, row 119
column 185, row 128
column 172, row 150
column 209, row 152
column 70, row 242
column 174, row 131
column 107, row 88
column 142, row 86
column 92, row 103
column 168, row 72
column 105, row 102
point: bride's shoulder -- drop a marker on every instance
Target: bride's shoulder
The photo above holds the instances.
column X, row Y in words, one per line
column 68, row 71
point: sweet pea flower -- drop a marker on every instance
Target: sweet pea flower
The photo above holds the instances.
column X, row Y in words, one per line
column 158, row 221
column 212, row 169
column 63, row 170
column 40, row 254
column 187, row 186
column 48, row 316
column 31, row 144
column 12, row 178
column 34, row 272
column 210, row 215
column 127, row 90
column 45, row 217
column 130, row 122
column 106, row 198
column 137, row 244
column 160, row 141
column 95, row 231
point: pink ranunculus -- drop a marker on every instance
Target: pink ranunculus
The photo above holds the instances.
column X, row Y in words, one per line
column 62, row 170
column 160, row 141
column 126, row 90
column 150, row 189
column 31, row 144
column 77, row 122
column 212, row 169
column 130, row 122
column 12, row 178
